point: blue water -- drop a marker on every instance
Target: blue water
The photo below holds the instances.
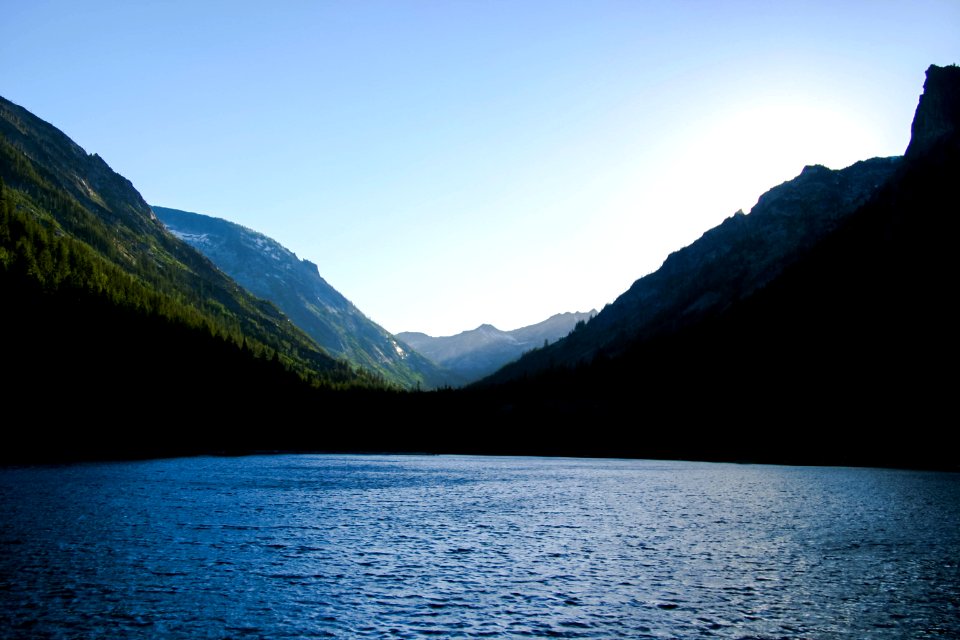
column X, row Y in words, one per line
column 448, row 547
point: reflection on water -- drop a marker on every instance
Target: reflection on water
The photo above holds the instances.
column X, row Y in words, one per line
column 409, row 547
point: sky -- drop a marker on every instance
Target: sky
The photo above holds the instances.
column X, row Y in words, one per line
column 458, row 162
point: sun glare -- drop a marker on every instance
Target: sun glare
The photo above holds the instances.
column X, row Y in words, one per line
column 764, row 145
column 722, row 163
column 739, row 154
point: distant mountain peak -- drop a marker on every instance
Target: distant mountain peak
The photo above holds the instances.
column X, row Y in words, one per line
column 481, row 351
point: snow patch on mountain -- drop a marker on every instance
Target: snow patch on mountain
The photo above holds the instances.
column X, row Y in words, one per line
column 193, row 239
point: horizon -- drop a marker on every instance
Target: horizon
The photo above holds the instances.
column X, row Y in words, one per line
column 452, row 165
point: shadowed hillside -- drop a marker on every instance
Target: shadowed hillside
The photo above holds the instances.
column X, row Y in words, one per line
column 111, row 319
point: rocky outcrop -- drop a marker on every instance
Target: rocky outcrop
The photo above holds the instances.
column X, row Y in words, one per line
column 938, row 113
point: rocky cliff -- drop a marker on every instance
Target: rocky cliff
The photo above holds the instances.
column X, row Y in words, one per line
column 938, row 112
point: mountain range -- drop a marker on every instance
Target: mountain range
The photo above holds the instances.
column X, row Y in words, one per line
column 818, row 328
column 410, row 360
column 479, row 352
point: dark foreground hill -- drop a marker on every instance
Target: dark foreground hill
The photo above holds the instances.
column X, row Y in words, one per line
column 841, row 354
column 727, row 265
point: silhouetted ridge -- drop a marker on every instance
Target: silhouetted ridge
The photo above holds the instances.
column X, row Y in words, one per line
column 790, row 334
column 727, row 264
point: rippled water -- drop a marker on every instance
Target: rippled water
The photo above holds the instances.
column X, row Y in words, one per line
column 410, row 547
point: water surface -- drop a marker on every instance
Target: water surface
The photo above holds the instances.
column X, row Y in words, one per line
column 415, row 547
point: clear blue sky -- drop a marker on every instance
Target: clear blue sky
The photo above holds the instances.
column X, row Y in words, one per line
column 451, row 163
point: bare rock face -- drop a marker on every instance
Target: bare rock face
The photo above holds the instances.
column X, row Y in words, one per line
column 938, row 113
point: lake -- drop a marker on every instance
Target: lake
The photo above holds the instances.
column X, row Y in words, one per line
column 317, row 546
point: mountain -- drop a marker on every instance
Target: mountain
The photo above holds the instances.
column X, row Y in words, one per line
column 481, row 351
column 774, row 340
column 728, row 263
column 737, row 350
column 110, row 317
column 741, row 258
column 269, row 270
